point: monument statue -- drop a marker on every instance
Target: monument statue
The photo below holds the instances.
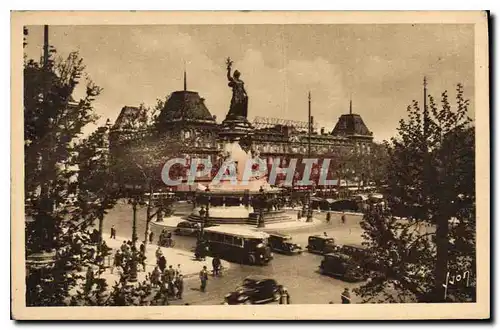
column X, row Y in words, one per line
column 239, row 101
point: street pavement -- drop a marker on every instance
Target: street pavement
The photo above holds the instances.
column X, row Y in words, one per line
column 298, row 273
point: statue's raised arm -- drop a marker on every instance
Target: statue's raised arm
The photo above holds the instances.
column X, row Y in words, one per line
column 229, row 64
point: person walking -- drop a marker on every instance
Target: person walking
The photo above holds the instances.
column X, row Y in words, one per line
column 179, row 283
column 142, row 248
column 118, row 260
column 113, row 232
column 124, row 247
column 346, row 296
column 343, row 218
column 178, row 271
column 155, row 277
column 151, row 237
column 216, row 263
column 158, row 253
column 284, row 296
column 162, row 263
column 171, row 279
column 328, row 217
column 203, row 279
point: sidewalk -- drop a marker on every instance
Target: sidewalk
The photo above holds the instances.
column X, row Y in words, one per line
column 189, row 266
column 290, row 225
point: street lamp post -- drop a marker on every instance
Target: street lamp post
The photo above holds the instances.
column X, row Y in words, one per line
column 205, row 221
column 309, row 204
column 133, row 267
column 262, row 204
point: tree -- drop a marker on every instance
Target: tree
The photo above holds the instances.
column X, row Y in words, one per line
column 432, row 177
column 53, row 124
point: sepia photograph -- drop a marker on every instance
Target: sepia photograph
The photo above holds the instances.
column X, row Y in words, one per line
column 322, row 165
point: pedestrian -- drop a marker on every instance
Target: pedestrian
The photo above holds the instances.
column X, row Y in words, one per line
column 343, row 218
column 171, row 274
column 155, row 277
column 158, row 253
column 284, row 298
column 216, row 263
column 200, row 251
column 203, row 279
column 162, row 263
column 180, row 286
column 117, row 262
column 178, row 271
column 328, row 217
column 299, row 215
column 142, row 248
column 124, row 247
column 151, row 237
column 346, row 296
column 113, row 232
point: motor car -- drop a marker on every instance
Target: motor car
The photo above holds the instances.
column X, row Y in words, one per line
column 342, row 266
column 283, row 244
column 254, row 290
column 321, row 244
column 359, row 254
column 187, row 228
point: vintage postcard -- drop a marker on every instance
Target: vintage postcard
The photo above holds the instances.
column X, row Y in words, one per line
column 250, row 165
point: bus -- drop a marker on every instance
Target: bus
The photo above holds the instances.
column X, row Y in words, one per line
column 239, row 244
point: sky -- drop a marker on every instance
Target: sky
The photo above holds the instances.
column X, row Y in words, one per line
column 381, row 67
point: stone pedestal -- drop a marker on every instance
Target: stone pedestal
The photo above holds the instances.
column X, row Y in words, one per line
column 235, row 127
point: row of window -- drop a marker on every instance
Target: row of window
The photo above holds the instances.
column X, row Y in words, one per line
column 226, row 239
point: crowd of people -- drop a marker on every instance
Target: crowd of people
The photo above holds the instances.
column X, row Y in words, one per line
column 124, row 257
column 170, row 280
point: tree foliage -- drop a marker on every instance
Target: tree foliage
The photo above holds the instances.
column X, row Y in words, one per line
column 432, row 180
column 59, row 215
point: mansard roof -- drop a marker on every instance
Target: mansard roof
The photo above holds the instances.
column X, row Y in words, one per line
column 351, row 125
column 127, row 117
column 185, row 105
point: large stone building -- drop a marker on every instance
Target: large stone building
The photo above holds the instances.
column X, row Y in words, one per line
column 185, row 117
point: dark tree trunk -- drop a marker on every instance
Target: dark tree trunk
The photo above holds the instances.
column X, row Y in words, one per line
column 441, row 267
column 101, row 228
column 148, row 216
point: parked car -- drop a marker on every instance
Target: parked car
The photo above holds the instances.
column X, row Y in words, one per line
column 321, row 244
column 254, row 290
column 187, row 228
column 342, row 266
column 359, row 254
column 283, row 244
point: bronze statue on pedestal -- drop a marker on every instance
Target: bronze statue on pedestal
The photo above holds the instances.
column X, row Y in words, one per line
column 239, row 101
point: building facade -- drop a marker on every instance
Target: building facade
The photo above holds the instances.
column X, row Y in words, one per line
column 185, row 117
